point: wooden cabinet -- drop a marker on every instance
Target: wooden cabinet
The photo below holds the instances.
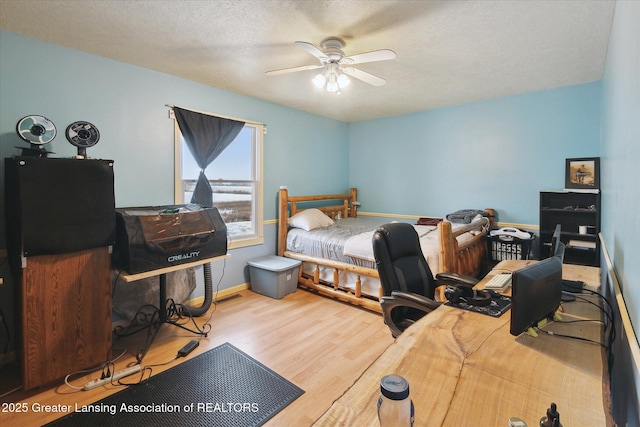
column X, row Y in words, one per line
column 65, row 322
column 60, row 223
column 579, row 217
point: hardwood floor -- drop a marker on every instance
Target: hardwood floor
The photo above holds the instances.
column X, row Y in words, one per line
column 319, row 344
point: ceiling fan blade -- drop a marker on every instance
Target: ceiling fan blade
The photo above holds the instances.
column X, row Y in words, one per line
column 376, row 55
column 313, row 50
column 364, row 76
column 292, row 70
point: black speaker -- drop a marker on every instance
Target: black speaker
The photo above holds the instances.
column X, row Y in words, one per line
column 56, row 206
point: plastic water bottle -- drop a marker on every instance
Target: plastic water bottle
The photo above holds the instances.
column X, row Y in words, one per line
column 395, row 408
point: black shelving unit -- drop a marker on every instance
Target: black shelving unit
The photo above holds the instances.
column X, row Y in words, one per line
column 571, row 210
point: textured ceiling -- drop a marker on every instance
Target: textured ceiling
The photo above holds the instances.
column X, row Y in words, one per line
column 448, row 52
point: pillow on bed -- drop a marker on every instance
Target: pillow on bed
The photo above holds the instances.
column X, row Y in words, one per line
column 309, row 219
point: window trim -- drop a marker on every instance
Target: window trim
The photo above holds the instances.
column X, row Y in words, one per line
column 258, row 238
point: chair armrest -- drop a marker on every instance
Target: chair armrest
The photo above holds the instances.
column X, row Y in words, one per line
column 417, row 301
column 455, row 279
column 404, row 299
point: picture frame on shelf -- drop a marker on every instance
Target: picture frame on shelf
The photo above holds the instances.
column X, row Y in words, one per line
column 582, row 174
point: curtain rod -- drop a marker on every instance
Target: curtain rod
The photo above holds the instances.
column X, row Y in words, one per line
column 217, row 115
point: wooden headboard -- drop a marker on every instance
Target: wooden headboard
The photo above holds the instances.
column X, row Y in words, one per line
column 288, row 206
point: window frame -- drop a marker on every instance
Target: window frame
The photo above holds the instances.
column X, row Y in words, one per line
column 257, row 153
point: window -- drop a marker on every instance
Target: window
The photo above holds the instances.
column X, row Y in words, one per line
column 236, row 179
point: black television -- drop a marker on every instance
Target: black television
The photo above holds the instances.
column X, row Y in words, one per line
column 536, row 293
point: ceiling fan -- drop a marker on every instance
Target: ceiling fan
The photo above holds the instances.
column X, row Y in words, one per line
column 337, row 66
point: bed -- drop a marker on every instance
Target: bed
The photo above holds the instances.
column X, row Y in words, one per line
column 334, row 245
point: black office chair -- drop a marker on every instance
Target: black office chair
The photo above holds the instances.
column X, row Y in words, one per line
column 407, row 282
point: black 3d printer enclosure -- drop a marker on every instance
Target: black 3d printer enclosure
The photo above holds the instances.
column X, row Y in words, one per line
column 153, row 237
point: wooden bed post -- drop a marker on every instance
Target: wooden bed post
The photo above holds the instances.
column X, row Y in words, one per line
column 447, row 251
column 353, row 197
column 492, row 217
column 466, row 258
column 282, row 220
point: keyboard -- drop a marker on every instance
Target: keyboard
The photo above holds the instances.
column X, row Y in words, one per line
column 499, row 281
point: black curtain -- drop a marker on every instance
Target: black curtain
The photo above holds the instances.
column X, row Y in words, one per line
column 206, row 136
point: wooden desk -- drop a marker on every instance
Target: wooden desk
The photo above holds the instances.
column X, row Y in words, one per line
column 589, row 275
column 465, row 368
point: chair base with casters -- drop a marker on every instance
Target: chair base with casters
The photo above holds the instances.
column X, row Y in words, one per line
column 407, row 282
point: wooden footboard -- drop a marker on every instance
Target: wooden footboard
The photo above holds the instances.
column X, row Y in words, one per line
column 467, row 258
column 334, row 288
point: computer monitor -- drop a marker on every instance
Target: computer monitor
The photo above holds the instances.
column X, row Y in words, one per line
column 536, row 293
column 559, row 252
column 555, row 240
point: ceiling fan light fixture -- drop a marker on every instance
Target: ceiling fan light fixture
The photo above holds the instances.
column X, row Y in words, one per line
column 336, row 67
column 343, row 81
column 319, row 81
column 332, row 80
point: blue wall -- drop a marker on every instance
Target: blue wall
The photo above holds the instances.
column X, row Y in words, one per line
column 620, row 141
column 498, row 154
column 621, row 153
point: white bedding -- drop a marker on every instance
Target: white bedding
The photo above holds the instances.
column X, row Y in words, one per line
column 328, row 242
column 360, row 246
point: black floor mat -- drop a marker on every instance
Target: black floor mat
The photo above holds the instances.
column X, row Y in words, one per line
column 222, row 387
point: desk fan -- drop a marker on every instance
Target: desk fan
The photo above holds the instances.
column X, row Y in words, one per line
column 37, row 131
column 82, row 135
